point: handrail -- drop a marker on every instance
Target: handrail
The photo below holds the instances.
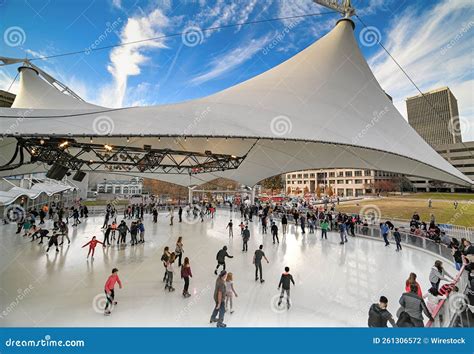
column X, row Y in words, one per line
column 442, row 302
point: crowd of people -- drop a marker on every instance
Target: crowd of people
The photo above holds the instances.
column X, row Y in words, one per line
column 413, row 302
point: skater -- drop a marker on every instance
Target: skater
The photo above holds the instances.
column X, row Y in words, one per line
column 437, row 274
column 133, row 233
column 414, row 306
column 274, row 230
column 155, row 215
column 92, row 245
column 220, row 257
column 284, row 224
column 164, row 258
column 64, row 230
column 379, row 315
column 257, row 260
column 242, row 228
column 398, row 239
column 342, row 233
column 229, row 293
column 107, row 235
column 186, row 274
column 180, row 214
column 39, row 233
column 302, row 223
column 324, row 229
column 231, row 230
column 122, row 229
column 219, row 299
column 75, row 215
column 141, row 229
column 170, row 272
column 285, row 284
column 384, row 230
column 245, row 239
column 53, row 240
column 114, row 229
column 171, row 215
column 179, row 250
column 109, row 290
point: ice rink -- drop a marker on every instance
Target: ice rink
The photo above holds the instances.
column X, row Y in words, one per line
column 335, row 284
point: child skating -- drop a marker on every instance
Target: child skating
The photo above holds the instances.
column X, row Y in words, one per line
column 285, row 283
column 229, row 293
column 109, row 290
column 170, row 272
column 92, row 245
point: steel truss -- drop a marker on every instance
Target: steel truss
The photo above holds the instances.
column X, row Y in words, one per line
column 77, row 156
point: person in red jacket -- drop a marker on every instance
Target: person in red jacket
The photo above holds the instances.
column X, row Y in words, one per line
column 109, row 290
column 412, row 281
column 92, row 244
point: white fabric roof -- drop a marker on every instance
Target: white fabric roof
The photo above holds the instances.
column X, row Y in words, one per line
column 8, row 197
column 325, row 102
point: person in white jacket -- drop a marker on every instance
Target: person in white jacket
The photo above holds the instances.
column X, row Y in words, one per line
column 437, row 274
column 433, row 297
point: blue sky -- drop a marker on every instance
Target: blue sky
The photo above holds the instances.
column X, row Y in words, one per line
column 433, row 40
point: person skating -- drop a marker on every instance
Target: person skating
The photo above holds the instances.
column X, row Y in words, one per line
column 257, row 261
column 141, row 230
column 122, row 229
column 64, row 230
column 274, row 231
column 285, row 284
column 107, row 235
column 164, row 258
column 92, row 245
column 379, row 315
column 384, row 230
column 219, row 299
column 284, row 224
column 179, row 250
column 109, row 290
column 245, row 239
column 342, row 233
column 229, row 293
column 324, row 229
column 414, row 306
column 186, row 274
column 220, row 257
column 170, row 272
column 134, row 233
column 53, row 240
column 230, row 227
column 180, row 214
column 398, row 239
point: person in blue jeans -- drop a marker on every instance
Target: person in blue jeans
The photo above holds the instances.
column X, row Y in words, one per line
column 342, row 233
column 219, row 298
column 384, row 230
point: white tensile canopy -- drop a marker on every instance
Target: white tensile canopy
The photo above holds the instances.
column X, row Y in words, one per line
column 321, row 108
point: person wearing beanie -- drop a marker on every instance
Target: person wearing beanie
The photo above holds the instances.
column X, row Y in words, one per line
column 220, row 257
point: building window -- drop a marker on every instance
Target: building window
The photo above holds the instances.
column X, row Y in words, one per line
column 340, row 174
column 340, row 181
column 305, row 175
column 358, row 181
column 331, row 181
column 332, row 174
column 348, row 181
column 311, row 175
column 348, row 173
column 358, row 173
column 367, row 173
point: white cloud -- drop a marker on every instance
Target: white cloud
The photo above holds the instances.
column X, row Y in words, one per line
column 231, row 60
column 117, row 4
column 435, row 49
column 127, row 60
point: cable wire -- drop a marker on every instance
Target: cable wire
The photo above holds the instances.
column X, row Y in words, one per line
column 216, row 28
column 413, row 83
